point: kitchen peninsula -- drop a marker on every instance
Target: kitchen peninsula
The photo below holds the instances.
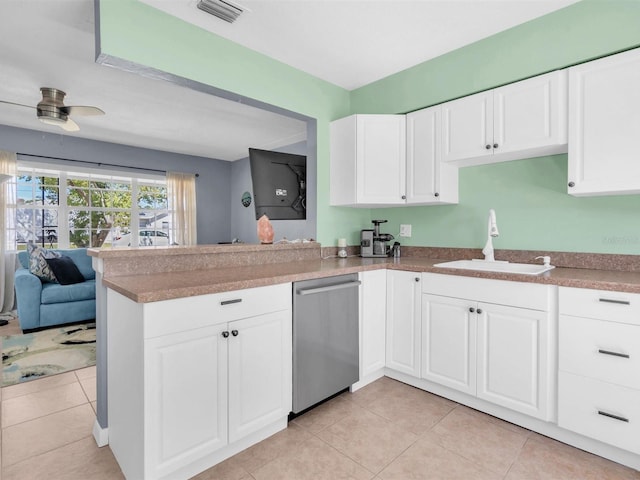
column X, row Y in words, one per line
column 163, row 311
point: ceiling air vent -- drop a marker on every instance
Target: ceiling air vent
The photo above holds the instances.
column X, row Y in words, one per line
column 227, row 11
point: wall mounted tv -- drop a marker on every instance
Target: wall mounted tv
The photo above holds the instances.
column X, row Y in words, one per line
column 279, row 184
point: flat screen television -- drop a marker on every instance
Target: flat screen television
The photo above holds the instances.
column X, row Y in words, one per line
column 279, row 184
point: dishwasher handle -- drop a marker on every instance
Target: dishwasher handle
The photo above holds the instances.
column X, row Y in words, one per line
column 328, row 288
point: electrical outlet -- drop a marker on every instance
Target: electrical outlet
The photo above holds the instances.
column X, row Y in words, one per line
column 405, row 230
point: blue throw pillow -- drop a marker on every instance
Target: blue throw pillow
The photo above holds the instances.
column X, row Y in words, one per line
column 65, row 271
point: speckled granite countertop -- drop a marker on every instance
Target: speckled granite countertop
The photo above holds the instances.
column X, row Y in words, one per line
column 165, row 286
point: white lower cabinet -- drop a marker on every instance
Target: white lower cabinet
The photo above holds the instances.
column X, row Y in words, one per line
column 512, row 353
column 259, row 376
column 599, row 366
column 491, row 339
column 186, row 407
column 194, row 380
column 403, row 322
column 373, row 307
column 449, row 342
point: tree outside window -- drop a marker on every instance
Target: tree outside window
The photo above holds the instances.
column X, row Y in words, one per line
column 88, row 209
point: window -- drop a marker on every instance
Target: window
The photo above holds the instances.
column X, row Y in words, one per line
column 85, row 209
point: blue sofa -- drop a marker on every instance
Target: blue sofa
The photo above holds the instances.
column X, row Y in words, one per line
column 43, row 304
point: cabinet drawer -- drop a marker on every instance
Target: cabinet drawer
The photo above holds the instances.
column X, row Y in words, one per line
column 606, row 351
column 602, row 304
column 171, row 316
column 590, row 407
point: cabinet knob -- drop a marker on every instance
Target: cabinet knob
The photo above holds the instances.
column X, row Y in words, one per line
column 225, row 334
column 572, row 184
column 495, row 145
column 417, row 279
column 471, row 309
column 479, row 311
column 404, row 197
column 437, row 194
column 234, row 333
column 487, row 146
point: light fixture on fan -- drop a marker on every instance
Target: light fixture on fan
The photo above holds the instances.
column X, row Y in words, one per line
column 52, row 110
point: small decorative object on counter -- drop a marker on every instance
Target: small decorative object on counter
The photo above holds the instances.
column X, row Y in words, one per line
column 265, row 230
column 396, row 250
column 342, row 247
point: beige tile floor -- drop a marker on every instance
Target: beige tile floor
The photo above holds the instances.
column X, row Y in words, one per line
column 386, row 431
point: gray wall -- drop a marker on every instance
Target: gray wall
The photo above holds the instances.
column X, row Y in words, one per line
column 243, row 219
column 213, row 190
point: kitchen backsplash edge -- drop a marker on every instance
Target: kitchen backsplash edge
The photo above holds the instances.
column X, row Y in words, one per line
column 592, row 261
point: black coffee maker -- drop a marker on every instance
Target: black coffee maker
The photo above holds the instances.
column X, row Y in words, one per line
column 373, row 243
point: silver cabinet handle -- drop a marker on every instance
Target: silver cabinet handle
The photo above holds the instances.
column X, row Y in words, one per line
column 611, row 415
column 614, row 354
column 328, row 288
column 229, row 302
column 618, row 302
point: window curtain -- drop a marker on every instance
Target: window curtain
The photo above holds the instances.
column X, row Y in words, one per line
column 8, row 168
column 181, row 192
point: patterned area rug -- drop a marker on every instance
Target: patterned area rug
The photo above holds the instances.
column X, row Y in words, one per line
column 48, row 352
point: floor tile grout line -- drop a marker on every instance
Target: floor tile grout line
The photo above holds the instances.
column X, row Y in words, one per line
column 460, row 454
column 5, row 465
column 75, row 380
column 48, row 415
column 344, row 454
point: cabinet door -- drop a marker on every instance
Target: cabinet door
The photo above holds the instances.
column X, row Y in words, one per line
column 260, row 374
column 368, row 160
column 604, row 121
column 512, row 358
column 449, row 342
column 403, row 321
column 467, row 127
column 373, row 309
column 185, row 398
column 530, row 114
column 380, row 159
column 429, row 180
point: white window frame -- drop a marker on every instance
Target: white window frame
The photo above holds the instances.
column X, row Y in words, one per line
column 85, row 173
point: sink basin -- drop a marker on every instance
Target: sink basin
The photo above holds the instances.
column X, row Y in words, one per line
column 499, row 266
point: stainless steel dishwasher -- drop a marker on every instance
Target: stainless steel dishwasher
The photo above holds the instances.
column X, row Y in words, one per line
column 325, row 338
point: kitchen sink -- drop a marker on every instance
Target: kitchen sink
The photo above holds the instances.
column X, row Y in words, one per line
column 497, row 266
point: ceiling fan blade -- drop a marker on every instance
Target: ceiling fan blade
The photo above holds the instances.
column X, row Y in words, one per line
column 17, row 104
column 81, row 110
column 70, row 126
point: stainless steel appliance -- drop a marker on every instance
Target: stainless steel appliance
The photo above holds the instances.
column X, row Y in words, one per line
column 325, row 338
column 373, row 243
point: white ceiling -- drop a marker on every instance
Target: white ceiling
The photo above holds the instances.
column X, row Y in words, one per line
column 50, row 43
column 355, row 42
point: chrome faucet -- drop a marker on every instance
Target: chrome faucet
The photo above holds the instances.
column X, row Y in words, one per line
column 492, row 231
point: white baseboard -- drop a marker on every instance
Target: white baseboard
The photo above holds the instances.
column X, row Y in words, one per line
column 367, row 379
column 101, row 435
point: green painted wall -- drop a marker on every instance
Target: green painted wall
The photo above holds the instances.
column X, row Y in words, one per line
column 138, row 33
column 529, row 196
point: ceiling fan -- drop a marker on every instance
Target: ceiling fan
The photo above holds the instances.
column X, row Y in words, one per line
column 52, row 110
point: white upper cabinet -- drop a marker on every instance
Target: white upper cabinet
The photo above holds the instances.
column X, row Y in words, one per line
column 521, row 120
column 429, row 181
column 368, row 161
column 604, row 123
column 467, row 128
